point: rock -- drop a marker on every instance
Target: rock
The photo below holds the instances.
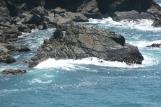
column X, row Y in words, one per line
column 9, row 34
column 4, row 12
column 132, row 15
column 157, row 23
column 155, row 45
column 6, row 58
column 24, row 28
column 68, row 17
column 22, row 48
column 59, row 10
column 40, row 11
column 35, row 19
column 13, row 71
column 74, row 41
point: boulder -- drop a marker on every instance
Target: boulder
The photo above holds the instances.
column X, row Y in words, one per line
column 72, row 41
column 6, row 58
column 13, row 72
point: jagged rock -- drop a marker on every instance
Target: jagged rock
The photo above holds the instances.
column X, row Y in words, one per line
column 76, row 42
column 157, row 23
column 13, row 72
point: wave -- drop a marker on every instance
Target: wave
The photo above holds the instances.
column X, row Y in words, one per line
column 39, row 81
column 140, row 24
column 159, row 4
column 70, row 64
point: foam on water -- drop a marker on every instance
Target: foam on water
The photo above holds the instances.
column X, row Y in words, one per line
column 78, row 64
column 141, row 24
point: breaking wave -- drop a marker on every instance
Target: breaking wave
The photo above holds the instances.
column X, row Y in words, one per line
column 78, row 64
column 144, row 43
column 141, row 24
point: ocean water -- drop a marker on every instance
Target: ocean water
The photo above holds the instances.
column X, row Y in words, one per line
column 86, row 82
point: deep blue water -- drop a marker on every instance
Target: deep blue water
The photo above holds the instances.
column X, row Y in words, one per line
column 87, row 85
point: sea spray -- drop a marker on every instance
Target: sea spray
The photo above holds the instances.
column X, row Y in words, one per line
column 140, row 24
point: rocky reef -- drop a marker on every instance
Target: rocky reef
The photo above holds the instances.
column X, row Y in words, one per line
column 19, row 16
column 76, row 41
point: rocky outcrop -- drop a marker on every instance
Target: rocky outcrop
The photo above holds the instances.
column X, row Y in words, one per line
column 5, row 56
column 23, row 15
column 13, row 72
column 75, row 42
column 19, row 16
column 61, row 11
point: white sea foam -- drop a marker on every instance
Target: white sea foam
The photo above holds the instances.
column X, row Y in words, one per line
column 142, row 24
column 78, row 64
column 39, row 81
column 159, row 4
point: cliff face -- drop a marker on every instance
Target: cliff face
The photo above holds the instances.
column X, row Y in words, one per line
column 73, row 5
column 123, row 5
column 24, row 15
column 4, row 12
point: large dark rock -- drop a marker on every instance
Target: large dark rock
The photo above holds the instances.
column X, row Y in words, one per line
column 76, row 42
column 6, row 58
column 4, row 12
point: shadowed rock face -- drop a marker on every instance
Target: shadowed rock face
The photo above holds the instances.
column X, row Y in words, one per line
column 76, row 42
column 19, row 16
column 73, row 5
column 24, row 10
column 124, row 5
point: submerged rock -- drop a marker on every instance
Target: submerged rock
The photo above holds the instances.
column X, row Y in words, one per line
column 13, row 71
column 76, row 41
column 155, row 45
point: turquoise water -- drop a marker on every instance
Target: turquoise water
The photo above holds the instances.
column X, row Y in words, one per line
column 88, row 85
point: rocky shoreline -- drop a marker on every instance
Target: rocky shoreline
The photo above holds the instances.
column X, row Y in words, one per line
column 75, row 42
column 72, row 41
